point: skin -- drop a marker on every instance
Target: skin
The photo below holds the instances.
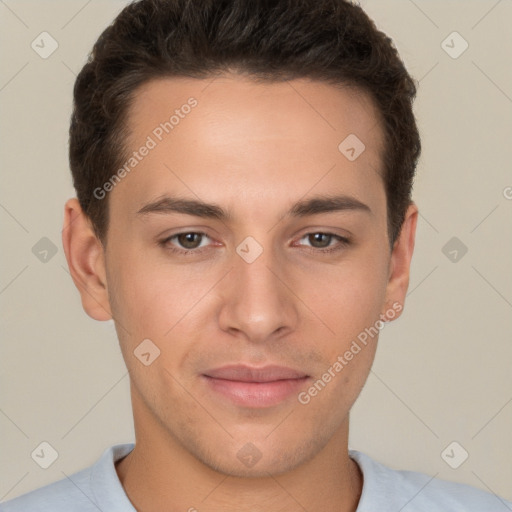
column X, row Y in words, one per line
column 254, row 149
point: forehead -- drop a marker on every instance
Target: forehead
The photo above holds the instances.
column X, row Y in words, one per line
column 242, row 104
column 242, row 138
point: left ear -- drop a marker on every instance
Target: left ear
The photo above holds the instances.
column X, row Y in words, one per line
column 400, row 262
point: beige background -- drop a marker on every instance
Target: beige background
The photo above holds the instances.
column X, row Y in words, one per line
column 442, row 372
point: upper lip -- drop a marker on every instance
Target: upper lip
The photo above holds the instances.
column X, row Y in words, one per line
column 243, row 373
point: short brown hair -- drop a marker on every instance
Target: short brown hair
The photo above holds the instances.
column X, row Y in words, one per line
column 330, row 40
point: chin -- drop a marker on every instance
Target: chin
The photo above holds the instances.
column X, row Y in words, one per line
column 256, row 461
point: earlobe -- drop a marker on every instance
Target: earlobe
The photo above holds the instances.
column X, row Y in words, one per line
column 400, row 262
column 86, row 261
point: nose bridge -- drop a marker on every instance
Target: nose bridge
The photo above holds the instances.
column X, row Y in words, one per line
column 257, row 302
column 257, row 278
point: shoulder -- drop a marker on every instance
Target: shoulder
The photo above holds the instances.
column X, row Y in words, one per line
column 71, row 493
column 84, row 491
column 410, row 491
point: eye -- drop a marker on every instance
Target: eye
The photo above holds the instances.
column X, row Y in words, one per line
column 189, row 242
column 324, row 241
column 185, row 242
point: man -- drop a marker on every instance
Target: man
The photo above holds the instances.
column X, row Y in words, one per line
column 244, row 172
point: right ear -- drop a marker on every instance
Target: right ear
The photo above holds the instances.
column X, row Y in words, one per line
column 85, row 255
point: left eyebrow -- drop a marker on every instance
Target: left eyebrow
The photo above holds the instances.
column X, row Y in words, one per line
column 303, row 208
column 327, row 204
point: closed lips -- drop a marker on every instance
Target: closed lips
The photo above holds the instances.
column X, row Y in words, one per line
column 242, row 373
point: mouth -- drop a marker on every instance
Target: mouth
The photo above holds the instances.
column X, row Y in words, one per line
column 252, row 387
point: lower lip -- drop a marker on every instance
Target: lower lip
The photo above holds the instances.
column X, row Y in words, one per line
column 256, row 394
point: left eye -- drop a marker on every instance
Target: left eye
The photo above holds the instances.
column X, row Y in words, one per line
column 323, row 240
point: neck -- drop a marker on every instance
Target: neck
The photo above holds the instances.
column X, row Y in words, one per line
column 162, row 475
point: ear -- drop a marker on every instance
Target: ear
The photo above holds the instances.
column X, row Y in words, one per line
column 86, row 261
column 400, row 262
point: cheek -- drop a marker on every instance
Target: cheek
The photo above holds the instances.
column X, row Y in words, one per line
column 136, row 295
column 348, row 297
column 349, row 302
column 133, row 282
column 153, row 299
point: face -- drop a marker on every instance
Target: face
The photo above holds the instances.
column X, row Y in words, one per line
column 252, row 305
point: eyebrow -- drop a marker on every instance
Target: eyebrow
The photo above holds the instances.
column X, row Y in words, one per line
column 302, row 208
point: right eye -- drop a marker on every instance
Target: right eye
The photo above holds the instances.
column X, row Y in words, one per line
column 185, row 242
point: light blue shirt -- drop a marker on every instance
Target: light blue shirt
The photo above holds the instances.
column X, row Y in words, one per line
column 98, row 488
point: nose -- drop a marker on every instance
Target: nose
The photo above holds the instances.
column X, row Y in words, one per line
column 257, row 301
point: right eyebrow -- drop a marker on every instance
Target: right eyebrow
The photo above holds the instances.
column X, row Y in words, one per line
column 193, row 207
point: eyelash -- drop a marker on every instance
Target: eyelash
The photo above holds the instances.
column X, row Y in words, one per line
column 342, row 243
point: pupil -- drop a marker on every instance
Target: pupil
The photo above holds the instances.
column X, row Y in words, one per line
column 317, row 237
column 189, row 240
